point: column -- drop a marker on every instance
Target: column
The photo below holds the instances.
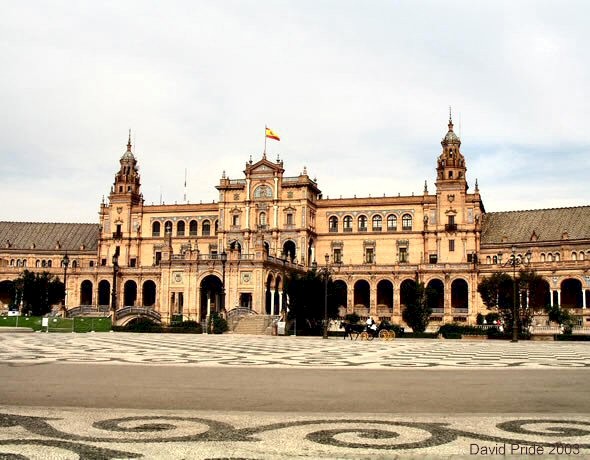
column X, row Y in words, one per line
column 559, row 297
column 280, row 301
column 272, row 301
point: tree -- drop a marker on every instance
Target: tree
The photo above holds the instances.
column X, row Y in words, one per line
column 497, row 291
column 560, row 316
column 37, row 292
column 417, row 312
column 306, row 293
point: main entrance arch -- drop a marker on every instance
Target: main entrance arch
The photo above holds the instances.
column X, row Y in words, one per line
column 86, row 292
column 210, row 288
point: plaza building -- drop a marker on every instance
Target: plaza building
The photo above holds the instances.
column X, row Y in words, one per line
column 168, row 261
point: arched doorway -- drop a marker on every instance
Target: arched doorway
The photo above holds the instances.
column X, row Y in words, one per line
column 310, row 252
column 437, row 301
column 210, row 295
column 385, row 295
column 235, row 246
column 341, row 296
column 104, row 293
column 277, row 296
column 148, row 293
column 460, row 295
column 289, row 250
column 129, row 293
column 7, row 293
column 86, row 292
column 571, row 293
column 407, row 291
column 362, row 294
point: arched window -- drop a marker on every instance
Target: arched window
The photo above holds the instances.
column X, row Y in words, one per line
column 156, row 229
column 168, row 228
column 362, row 223
column 488, row 260
column 391, row 222
column 574, row 256
column 37, row 263
column 262, row 219
column 180, row 228
column 49, row 263
column 18, row 262
column 406, row 222
column 25, row 261
column 542, row 257
column 581, row 255
column 377, row 223
column 557, row 257
column 333, row 223
column 495, row 259
column 192, row 228
column 75, row 264
column 206, row 228
column 347, row 224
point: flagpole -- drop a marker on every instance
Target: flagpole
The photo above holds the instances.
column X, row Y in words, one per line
column 264, row 153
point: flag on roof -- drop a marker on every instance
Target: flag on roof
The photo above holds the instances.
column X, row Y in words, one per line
column 272, row 135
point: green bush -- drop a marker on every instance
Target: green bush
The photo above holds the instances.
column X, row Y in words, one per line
column 142, row 325
column 217, row 324
column 420, row 335
column 453, row 328
column 185, row 327
column 571, row 338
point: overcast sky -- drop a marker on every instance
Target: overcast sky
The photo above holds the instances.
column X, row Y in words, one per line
column 359, row 92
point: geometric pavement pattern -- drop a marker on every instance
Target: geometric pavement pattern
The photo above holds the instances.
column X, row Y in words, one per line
column 40, row 433
column 66, row 433
column 286, row 352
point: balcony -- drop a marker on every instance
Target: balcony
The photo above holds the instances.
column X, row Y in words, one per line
column 362, row 229
column 333, row 230
column 377, row 229
column 347, row 229
column 117, row 235
column 450, row 227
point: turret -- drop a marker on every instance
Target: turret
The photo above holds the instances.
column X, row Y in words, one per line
column 127, row 184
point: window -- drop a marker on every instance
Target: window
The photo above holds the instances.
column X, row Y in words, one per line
column 391, row 223
column 168, row 228
column 216, row 227
column 180, row 228
column 290, row 219
column 556, row 257
column 158, row 257
column 406, row 222
column 156, row 229
column 334, row 224
column 262, row 219
column 49, row 263
column 574, row 256
column 542, row 257
column 495, row 258
column 433, row 258
column 581, row 255
column 133, row 262
column 235, row 220
column 192, row 228
column 38, row 263
column 347, row 224
column 369, row 255
column 337, row 255
column 103, row 262
column 403, row 255
column 264, row 191
column 362, row 223
column 451, row 245
column 206, row 228
column 488, row 260
column 377, row 223
column 91, row 263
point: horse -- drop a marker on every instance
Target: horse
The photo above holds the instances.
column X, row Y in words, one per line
column 350, row 329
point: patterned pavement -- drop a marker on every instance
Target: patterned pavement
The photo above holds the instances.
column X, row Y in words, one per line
column 87, row 433
column 286, row 352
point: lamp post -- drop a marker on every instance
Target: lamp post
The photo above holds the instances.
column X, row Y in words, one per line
column 65, row 262
column 115, row 272
column 514, row 261
column 223, row 261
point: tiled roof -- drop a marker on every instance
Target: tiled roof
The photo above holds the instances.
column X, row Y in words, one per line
column 45, row 236
column 546, row 224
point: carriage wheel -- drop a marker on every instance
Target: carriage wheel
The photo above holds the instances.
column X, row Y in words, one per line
column 364, row 335
column 383, row 334
column 391, row 335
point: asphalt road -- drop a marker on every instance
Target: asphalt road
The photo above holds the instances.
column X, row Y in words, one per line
column 407, row 391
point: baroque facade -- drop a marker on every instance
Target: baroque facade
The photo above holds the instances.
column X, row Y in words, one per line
column 190, row 259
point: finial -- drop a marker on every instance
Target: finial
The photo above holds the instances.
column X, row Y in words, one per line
column 264, row 156
column 129, row 141
column 250, row 159
column 450, row 119
column 305, row 171
column 425, row 188
column 223, row 174
column 278, row 158
column 476, row 186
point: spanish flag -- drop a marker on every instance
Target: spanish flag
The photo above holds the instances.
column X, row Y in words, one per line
column 271, row 134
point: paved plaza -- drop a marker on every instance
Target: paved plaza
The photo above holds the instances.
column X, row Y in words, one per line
column 287, row 352
column 117, row 395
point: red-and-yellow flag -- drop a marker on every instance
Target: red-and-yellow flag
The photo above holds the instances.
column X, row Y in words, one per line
column 272, row 135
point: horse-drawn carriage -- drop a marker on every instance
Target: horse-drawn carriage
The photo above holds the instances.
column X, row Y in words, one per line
column 384, row 331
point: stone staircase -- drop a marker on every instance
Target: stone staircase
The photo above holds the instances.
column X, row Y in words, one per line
column 254, row 325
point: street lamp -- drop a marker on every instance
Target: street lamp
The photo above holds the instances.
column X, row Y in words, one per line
column 115, row 271
column 515, row 261
column 223, row 261
column 65, row 262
